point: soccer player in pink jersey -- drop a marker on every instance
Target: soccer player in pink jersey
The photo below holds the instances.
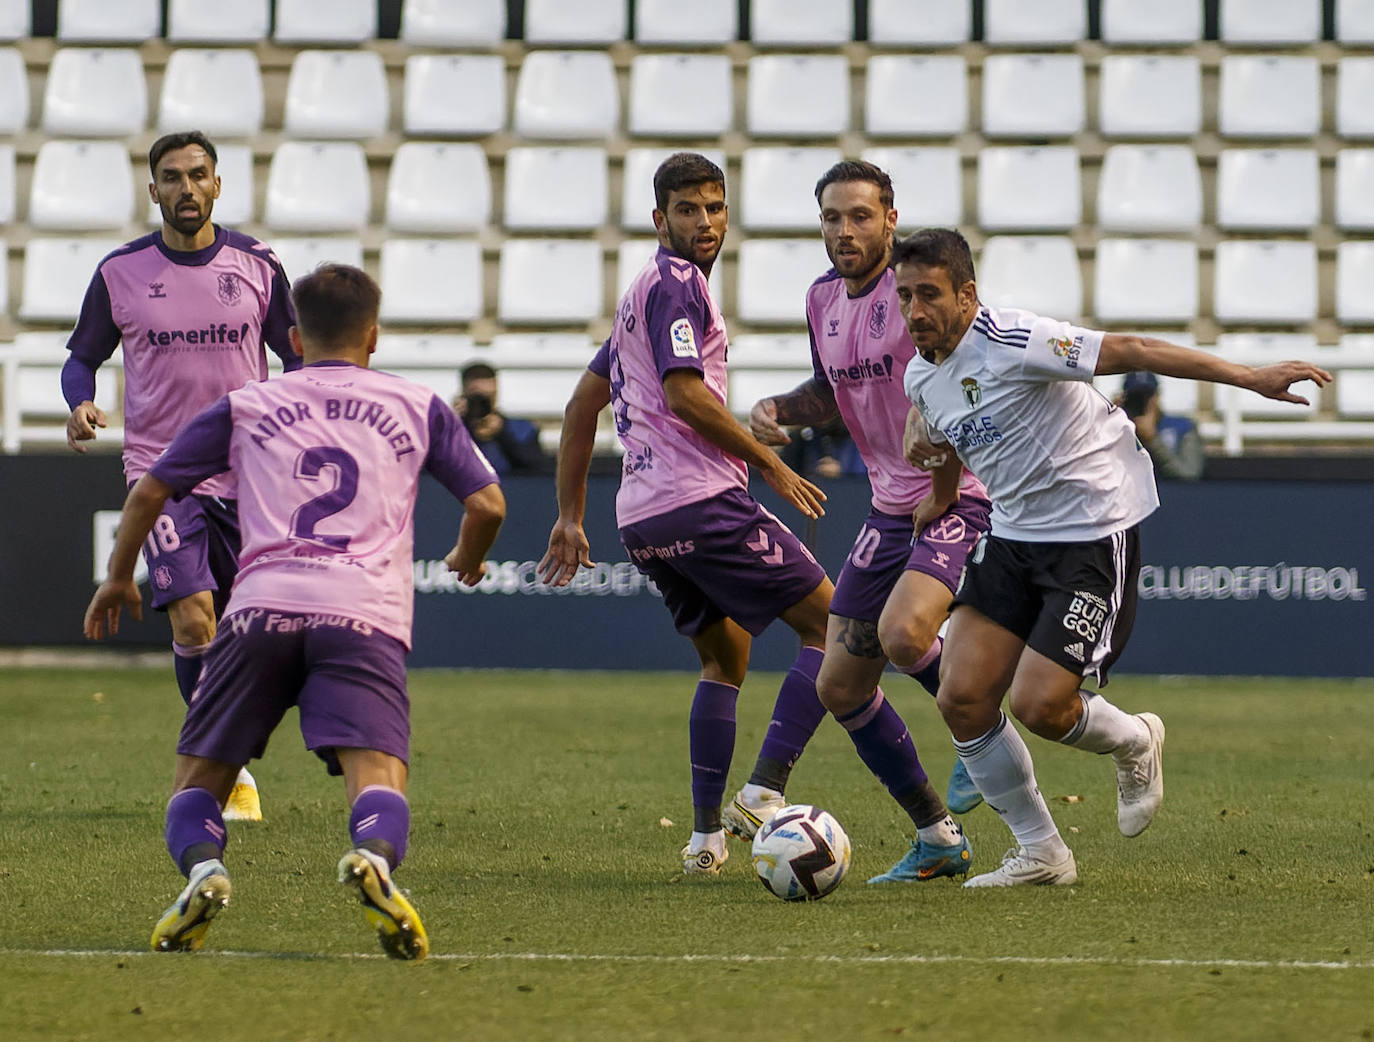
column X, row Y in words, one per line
column 895, row 588
column 726, row 566
column 193, row 304
column 328, row 460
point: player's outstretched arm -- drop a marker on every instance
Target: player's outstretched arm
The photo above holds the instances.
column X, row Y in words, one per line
column 694, row 404
column 483, row 513
column 81, row 424
column 141, row 508
column 1122, row 353
column 808, row 404
column 568, row 546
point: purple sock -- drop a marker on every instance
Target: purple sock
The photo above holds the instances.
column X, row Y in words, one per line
column 186, row 662
column 796, row 714
column 885, row 745
column 193, row 818
column 381, row 816
column 711, row 728
column 927, row 671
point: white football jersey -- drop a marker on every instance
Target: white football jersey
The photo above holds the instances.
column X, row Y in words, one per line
column 1015, row 400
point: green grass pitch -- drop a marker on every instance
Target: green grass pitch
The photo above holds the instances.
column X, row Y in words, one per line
column 547, row 877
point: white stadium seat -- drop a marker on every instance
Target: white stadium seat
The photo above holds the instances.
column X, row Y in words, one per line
column 431, row 280
column 1150, row 96
column 432, row 360
column 702, row 23
column 348, row 21
column 1258, row 349
column 1355, row 189
column 773, row 277
column 336, row 94
column 7, row 186
column 660, row 107
column 927, row 183
column 553, row 281
column 747, row 386
column 1265, row 281
column 637, row 192
column 633, row 254
column 1017, row 23
column 1033, row 95
column 770, row 351
column 798, row 95
column 195, row 21
column 787, row 23
column 541, row 350
column 14, row 91
column 1269, row 22
column 540, row 394
column 16, row 19
column 919, row 23
column 33, row 391
column 414, row 205
column 915, row 95
column 1145, row 280
column 1038, row 273
column 1355, row 97
column 318, row 186
column 1268, row 188
column 777, row 187
column 218, row 92
column 299, row 256
column 56, row 274
column 1268, row 96
column 1029, row 188
column 1355, row 393
column 1158, row 22
column 1355, row 283
column 109, row 21
column 1149, row 188
column 5, row 282
column 442, row 23
column 1354, row 22
column 578, row 202
column 95, row 92
column 432, row 81
column 587, row 21
column 566, row 94
column 81, row 186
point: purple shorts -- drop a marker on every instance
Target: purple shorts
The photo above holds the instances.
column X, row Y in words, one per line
column 723, row 557
column 348, row 679
column 194, row 546
column 884, row 550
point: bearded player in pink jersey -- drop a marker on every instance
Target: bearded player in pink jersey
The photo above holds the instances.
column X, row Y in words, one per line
column 895, row 588
column 193, row 304
column 328, row 460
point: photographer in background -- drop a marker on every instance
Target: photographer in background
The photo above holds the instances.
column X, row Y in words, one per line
column 1173, row 442
column 511, row 445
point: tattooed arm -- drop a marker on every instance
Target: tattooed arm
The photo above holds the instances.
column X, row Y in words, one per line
column 807, row 405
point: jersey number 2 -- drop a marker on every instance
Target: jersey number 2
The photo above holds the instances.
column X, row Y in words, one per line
column 314, row 465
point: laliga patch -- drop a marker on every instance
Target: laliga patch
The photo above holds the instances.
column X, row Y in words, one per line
column 684, row 340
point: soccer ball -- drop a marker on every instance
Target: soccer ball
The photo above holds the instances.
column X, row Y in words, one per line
column 801, row 853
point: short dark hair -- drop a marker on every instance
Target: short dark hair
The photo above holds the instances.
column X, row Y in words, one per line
column 335, row 305
column 937, row 248
column 684, row 170
column 858, row 170
column 476, row 371
column 169, row 142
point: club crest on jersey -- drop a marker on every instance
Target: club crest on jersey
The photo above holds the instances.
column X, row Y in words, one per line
column 230, row 291
column 684, row 340
column 973, row 394
column 877, row 319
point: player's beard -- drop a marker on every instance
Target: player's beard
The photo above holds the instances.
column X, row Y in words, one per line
column 865, row 266
column 686, row 248
column 184, row 225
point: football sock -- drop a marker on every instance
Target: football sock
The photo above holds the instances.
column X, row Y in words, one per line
column 186, row 662
column 711, row 733
column 380, row 822
column 796, row 715
column 942, row 833
column 1000, row 765
column 1103, row 728
column 926, row 672
column 195, row 828
column 881, row 738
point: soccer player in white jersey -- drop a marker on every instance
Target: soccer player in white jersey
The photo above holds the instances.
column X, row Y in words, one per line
column 328, row 460
column 1048, row 596
column 193, row 305
column 726, row 566
column 894, row 590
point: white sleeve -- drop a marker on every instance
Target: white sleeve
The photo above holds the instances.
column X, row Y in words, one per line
column 1061, row 351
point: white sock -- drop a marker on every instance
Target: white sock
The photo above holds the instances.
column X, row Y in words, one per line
column 1103, row 728
column 701, row 840
column 943, row 833
column 245, row 778
column 756, row 794
column 1000, row 765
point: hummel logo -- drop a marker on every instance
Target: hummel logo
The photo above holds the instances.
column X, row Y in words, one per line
column 1075, row 651
column 156, row 290
column 762, row 544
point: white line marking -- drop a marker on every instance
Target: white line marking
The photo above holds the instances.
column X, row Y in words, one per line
column 849, row 960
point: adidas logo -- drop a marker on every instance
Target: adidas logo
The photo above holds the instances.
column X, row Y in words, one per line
column 1075, row 651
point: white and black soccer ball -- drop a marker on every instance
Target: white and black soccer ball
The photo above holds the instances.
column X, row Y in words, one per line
column 801, row 853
